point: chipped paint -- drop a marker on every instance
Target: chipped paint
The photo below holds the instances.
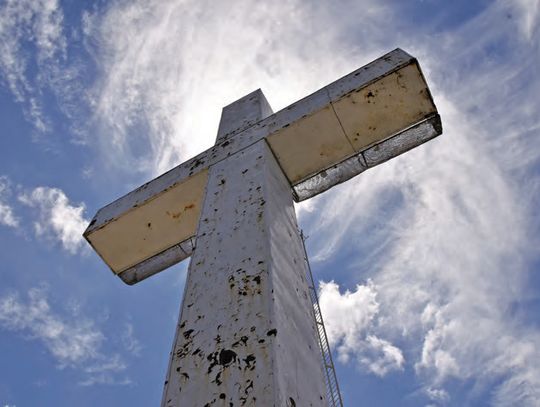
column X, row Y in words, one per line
column 309, row 138
column 246, row 335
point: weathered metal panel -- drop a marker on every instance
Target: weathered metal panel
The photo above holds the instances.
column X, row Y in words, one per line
column 309, row 105
column 310, row 138
column 369, row 73
column 241, row 114
column 404, row 141
column 246, row 335
column 371, row 157
column 326, row 179
column 310, row 144
column 384, row 107
column 161, row 223
column 157, row 263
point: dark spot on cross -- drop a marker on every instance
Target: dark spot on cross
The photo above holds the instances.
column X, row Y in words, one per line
column 248, row 387
column 213, row 362
column 250, row 362
column 226, row 357
column 272, row 332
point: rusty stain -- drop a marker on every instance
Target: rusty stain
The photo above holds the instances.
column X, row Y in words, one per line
column 174, row 215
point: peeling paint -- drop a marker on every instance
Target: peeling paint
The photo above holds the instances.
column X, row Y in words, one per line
column 245, row 279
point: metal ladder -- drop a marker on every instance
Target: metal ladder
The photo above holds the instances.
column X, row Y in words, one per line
column 333, row 396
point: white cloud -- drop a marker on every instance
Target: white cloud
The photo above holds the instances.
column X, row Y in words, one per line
column 164, row 80
column 348, row 320
column 437, row 395
column 7, row 216
column 129, row 341
column 446, row 232
column 71, row 343
column 447, row 264
column 57, row 217
column 75, row 343
column 38, row 22
column 347, row 316
column 382, row 357
column 529, row 12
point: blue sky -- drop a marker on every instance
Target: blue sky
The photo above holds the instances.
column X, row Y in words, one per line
column 428, row 265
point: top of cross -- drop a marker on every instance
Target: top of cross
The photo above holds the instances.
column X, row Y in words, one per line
column 357, row 122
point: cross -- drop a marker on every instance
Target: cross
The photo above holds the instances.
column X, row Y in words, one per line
column 246, row 334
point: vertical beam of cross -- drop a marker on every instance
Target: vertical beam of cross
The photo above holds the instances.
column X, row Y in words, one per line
column 245, row 335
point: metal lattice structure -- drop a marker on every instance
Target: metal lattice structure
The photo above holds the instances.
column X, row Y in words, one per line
column 333, row 395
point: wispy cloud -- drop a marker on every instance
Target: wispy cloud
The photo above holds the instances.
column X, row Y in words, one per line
column 25, row 23
column 529, row 11
column 164, row 80
column 75, row 343
column 69, row 343
column 7, row 216
column 57, row 217
column 446, row 232
column 129, row 341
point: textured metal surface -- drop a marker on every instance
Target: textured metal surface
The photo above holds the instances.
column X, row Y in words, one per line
column 309, row 144
column 157, row 263
column 329, row 177
column 163, row 222
column 307, row 106
column 319, row 141
column 404, row 141
column 369, row 158
column 246, row 335
column 382, row 108
column 241, row 114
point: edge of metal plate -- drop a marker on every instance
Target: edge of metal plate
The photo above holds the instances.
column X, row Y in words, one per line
column 398, row 144
column 157, row 263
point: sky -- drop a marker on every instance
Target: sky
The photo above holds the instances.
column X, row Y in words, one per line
column 428, row 266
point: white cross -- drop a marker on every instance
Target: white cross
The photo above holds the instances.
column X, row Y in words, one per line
column 246, row 335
